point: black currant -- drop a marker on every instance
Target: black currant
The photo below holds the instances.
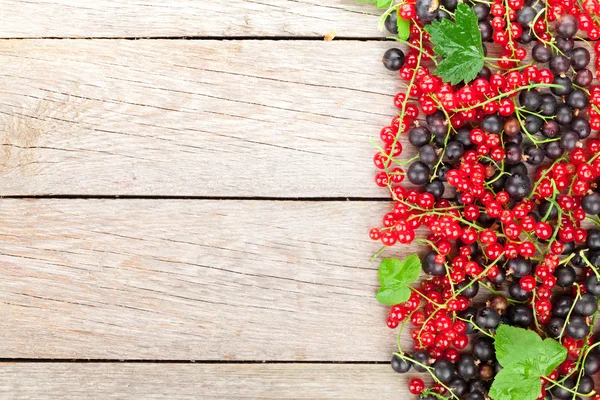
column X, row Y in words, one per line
column 418, row 173
column 393, row 59
column 565, row 276
column 419, row 136
column 400, row 365
column 487, row 318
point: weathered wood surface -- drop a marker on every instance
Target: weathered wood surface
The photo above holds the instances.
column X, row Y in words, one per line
column 205, row 118
column 191, row 280
column 159, row 18
column 198, row 381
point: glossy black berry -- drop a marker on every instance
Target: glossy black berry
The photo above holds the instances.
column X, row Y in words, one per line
column 519, row 266
column 393, row 59
column 567, row 26
column 565, row 85
column 519, row 186
column 487, row 318
column 520, row 315
column 466, row 367
column 517, row 293
column 431, row 267
column 593, row 239
column 578, row 99
column 586, row 305
column 561, row 306
column 483, row 349
column 534, row 155
column 443, row 370
column 459, row 386
column 591, row 203
column 549, row 104
column 565, row 276
column 559, row 64
column 400, row 365
column 592, row 364
column 555, row 327
column 471, row 291
column 422, row 357
column 391, row 23
column 419, row 136
column 577, row 327
column 592, row 285
column 530, row 99
column 427, row 10
column 581, row 126
column 580, row 58
column 418, row 173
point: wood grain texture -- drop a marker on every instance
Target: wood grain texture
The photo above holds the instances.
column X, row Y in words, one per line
column 159, row 18
column 191, row 280
column 203, row 118
column 58, row 381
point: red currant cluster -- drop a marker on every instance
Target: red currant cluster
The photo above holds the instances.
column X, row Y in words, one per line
column 525, row 234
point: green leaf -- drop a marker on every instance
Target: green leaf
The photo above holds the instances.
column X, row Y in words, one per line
column 403, row 28
column 459, row 44
column 379, row 3
column 510, row 385
column 395, row 277
column 525, row 358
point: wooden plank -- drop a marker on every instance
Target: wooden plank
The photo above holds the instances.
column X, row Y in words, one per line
column 199, row 381
column 159, row 18
column 191, row 280
column 192, row 118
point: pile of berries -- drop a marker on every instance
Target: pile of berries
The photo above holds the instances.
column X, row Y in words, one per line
column 503, row 192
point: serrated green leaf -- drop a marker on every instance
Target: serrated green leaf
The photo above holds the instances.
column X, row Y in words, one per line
column 525, row 358
column 510, row 385
column 403, row 28
column 391, row 296
column 395, row 276
column 459, row 44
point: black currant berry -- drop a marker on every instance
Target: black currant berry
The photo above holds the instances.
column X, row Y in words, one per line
column 580, row 58
column 555, row 327
column 592, row 285
column 483, row 349
column 422, row 357
column 591, row 203
column 577, row 327
column 427, row 10
column 567, row 26
column 534, row 155
column 393, row 59
column 561, row 306
column 459, row 387
column 593, row 239
column 559, row 64
column 400, row 365
column 431, row 267
column 419, row 136
column 565, row 276
column 586, row 305
column 531, row 100
column 565, row 85
column 549, row 104
column 487, row 318
column 443, row 370
column 391, row 23
column 466, row 367
column 418, row 173
column 520, row 315
column 519, row 186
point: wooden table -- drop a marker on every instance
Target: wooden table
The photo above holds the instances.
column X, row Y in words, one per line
column 187, row 192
